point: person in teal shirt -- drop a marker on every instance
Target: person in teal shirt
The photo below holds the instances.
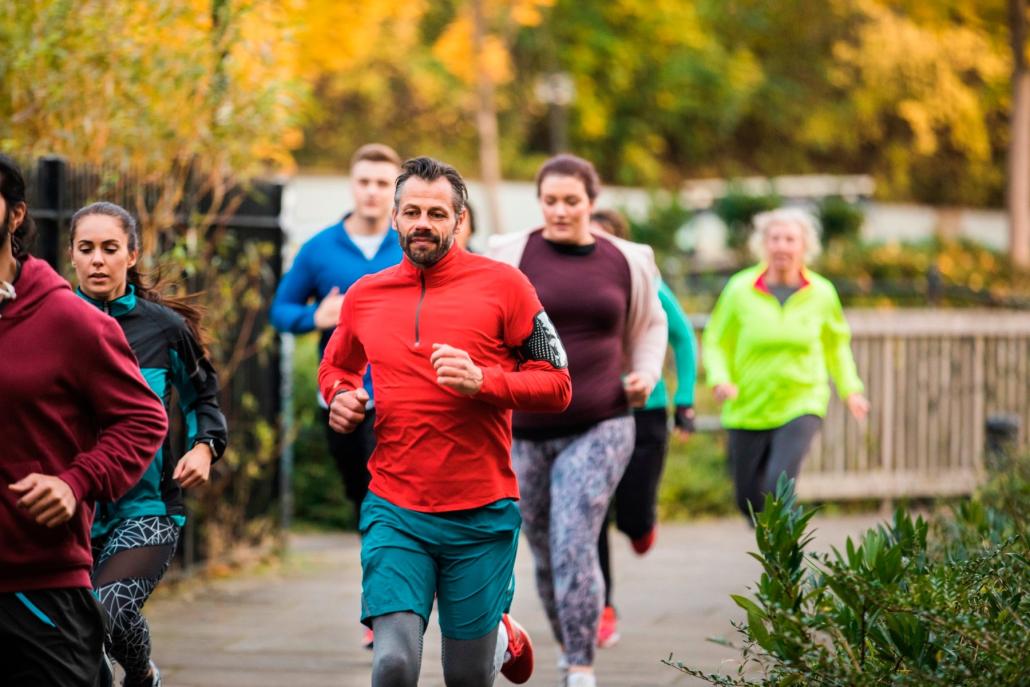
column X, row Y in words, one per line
column 775, row 336
column 635, row 502
column 134, row 538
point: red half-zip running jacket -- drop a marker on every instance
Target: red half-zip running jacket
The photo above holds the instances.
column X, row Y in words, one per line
column 438, row 450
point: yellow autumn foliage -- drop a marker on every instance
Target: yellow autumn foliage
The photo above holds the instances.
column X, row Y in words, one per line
column 454, row 49
column 915, row 92
column 929, row 75
column 152, row 84
column 335, row 36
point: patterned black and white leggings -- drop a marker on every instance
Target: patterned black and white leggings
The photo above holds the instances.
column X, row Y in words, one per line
column 128, row 564
column 566, row 485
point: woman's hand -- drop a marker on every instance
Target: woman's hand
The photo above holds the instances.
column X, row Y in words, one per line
column 636, row 390
column 194, row 468
column 858, row 405
column 683, row 422
column 724, row 392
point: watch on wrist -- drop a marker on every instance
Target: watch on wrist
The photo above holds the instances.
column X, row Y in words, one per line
column 210, row 443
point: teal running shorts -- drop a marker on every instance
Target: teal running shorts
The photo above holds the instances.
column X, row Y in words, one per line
column 464, row 559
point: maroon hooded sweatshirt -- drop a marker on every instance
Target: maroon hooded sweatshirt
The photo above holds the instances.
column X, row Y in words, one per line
column 73, row 404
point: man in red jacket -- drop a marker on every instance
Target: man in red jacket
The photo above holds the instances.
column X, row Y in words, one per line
column 77, row 423
column 456, row 342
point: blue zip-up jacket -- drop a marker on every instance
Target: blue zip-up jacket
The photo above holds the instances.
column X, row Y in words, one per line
column 328, row 259
column 169, row 356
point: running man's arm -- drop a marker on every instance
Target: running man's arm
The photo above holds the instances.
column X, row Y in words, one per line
column 131, row 415
column 343, row 365
column 291, row 312
column 541, row 383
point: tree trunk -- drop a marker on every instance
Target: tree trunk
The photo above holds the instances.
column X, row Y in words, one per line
column 486, row 124
column 1019, row 145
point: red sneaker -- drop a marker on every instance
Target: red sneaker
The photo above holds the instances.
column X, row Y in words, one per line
column 518, row 661
column 367, row 639
column 643, row 544
column 607, row 628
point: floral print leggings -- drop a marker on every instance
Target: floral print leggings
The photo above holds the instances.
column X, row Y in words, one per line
column 566, row 485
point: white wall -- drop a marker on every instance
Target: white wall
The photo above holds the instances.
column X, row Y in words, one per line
column 313, row 202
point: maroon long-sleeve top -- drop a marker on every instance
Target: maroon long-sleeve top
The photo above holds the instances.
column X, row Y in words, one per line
column 586, row 292
column 73, row 404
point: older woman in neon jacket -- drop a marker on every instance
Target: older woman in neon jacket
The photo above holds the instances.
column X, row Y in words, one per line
column 775, row 336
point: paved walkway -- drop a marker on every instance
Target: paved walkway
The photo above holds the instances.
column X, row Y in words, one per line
column 296, row 625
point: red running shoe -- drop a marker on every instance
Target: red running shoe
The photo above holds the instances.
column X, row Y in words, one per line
column 518, row 660
column 608, row 628
column 643, row 544
column 367, row 639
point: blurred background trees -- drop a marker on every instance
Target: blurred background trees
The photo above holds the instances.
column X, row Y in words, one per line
column 920, row 94
column 917, row 93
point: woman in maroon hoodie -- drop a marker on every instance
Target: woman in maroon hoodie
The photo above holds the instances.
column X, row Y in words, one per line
column 78, row 424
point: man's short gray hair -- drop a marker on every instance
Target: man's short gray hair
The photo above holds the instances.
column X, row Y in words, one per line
column 428, row 169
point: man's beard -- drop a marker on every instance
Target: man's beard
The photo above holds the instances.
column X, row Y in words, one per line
column 427, row 257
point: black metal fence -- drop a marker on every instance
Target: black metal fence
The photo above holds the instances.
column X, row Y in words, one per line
column 251, row 395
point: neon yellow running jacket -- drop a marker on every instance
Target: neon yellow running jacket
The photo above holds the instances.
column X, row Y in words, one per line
column 778, row 356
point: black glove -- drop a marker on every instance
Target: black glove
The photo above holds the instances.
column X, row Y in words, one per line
column 684, row 419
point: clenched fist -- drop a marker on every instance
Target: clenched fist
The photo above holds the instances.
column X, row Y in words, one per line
column 455, row 370
column 347, row 410
column 47, row 498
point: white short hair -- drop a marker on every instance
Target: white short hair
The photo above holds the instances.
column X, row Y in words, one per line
column 802, row 218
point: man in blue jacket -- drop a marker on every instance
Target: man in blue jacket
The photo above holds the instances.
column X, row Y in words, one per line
column 310, row 294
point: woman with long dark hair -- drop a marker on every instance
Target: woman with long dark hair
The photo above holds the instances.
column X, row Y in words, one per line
column 134, row 538
column 601, row 293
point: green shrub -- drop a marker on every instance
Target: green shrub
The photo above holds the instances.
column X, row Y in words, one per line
column 840, row 219
column 665, row 216
column 896, row 274
column 737, row 208
column 696, row 482
column 898, row 606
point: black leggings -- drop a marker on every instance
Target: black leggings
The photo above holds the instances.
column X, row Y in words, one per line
column 759, row 457
column 130, row 561
column 351, row 453
column 635, row 501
